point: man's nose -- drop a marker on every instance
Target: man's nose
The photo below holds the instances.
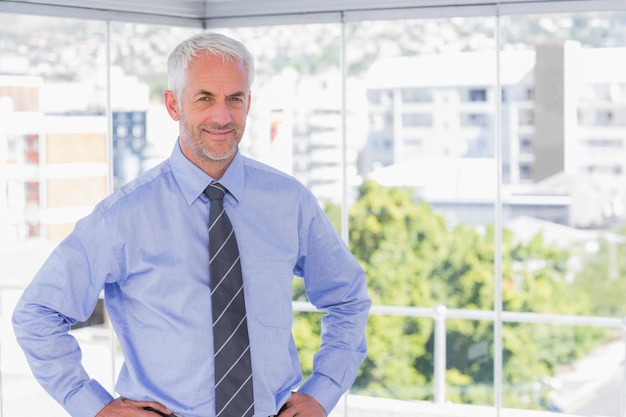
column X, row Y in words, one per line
column 220, row 113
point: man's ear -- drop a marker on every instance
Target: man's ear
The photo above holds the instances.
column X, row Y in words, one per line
column 171, row 104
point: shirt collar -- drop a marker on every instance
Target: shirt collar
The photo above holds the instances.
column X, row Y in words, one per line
column 192, row 180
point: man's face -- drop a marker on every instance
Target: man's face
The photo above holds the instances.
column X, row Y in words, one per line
column 212, row 109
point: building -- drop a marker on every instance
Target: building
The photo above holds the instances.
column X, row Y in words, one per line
column 296, row 125
column 54, row 153
column 563, row 116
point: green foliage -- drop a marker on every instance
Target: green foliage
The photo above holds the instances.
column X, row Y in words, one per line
column 394, row 343
column 306, row 331
column 603, row 276
column 413, row 258
column 397, row 242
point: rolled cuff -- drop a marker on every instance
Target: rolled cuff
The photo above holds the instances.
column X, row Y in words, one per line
column 324, row 390
column 88, row 400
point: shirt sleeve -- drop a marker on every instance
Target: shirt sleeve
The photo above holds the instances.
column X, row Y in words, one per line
column 336, row 284
column 62, row 293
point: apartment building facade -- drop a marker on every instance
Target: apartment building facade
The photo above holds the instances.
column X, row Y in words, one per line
column 563, row 115
column 55, row 165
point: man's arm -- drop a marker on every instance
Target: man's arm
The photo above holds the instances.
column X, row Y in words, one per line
column 336, row 284
column 63, row 292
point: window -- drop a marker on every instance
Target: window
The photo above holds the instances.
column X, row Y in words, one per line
column 413, row 145
column 605, row 144
column 422, row 133
column 417, row 120
column 474, row 119
column 525, row 145
column 604, row 118
column 525, row 172
column 526, row 117
column 477, row 95
column 32, row 148
column 416, row 95
column 380, row 97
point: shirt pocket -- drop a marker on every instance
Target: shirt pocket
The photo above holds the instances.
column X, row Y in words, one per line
column 270, row 293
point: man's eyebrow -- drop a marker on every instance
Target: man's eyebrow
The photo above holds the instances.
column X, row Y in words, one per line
column 211, row 94
column 205, row 93
column 237, row 94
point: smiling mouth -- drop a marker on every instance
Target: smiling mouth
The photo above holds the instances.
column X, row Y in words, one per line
column 220, row 133
column 218, row 130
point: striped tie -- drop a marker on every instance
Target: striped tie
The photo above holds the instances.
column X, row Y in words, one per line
column 233, row 371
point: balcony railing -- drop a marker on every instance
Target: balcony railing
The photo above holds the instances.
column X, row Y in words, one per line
column 15, row 380
column 440, row 314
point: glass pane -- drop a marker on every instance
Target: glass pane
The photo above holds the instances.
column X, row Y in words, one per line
column 54, row 164
column 565, row 154
column 564, row 150
column 562, row 368
column 422, row 221
column 400, row 360
column 295, row 121
column 143, row 133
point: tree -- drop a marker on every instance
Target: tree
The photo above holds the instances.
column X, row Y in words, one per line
column 603, row 275
column 413, row 258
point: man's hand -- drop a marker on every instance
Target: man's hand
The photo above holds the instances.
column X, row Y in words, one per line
column 122, row 407
column 302, row 405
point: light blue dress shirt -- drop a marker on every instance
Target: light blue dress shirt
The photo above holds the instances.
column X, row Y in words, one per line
column 146, row 245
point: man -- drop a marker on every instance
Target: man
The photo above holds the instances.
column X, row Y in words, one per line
column 146, row 245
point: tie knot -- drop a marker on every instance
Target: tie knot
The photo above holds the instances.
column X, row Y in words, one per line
column 215, row 191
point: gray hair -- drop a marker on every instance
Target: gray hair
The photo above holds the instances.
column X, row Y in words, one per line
column 212, row 43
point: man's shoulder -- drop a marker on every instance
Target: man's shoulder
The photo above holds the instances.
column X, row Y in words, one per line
column 261, row 168
column 263, row 180
column 150, row 179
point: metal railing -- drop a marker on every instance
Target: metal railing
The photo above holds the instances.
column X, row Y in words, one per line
column 440, row 314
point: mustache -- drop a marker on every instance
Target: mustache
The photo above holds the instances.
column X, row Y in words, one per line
column 227, row 126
